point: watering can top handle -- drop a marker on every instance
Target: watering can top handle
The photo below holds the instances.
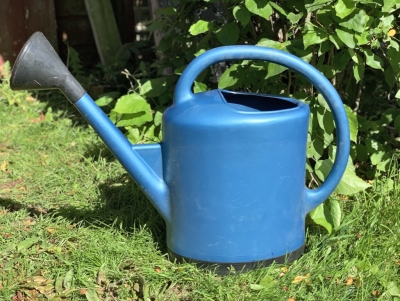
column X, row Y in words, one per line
column 183, row 93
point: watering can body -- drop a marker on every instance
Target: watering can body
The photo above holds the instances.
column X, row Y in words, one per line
column 229, row 176
column 235, row 167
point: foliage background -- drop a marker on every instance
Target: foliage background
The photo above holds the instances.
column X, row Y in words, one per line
column 353, row 43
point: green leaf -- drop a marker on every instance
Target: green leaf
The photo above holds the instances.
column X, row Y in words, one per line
column 357, row 22
column 313, row 35
column 315, row 148
column 134, row 135
column 228, row 34
column 241, row 14
column 158, row 118
column 149, row 134
column 200, row 27
column 364, row 38
column 388, row 5
column 27, row 243
column 320, row 217
column 387, row 22
column 131, row 103
column 275, row 69
column 305, row 54
column 394, row 44
column 104, row 100
column 256, row 287
column 358, row 68
column 335, row 212
column 316, row 5
column 227, row 79
column 393, row 290
column 321, row 100
column 397, row 124
column 154, row 25
column 273, row 44
column 267, row 281
column 153, row 87
column 341, row 60
column 346, row 37
column 91, row 295
column 168, row 11
column 362, row 153
column 343, row 8
column 294, row 18
column 350, row 182
column 373, row 60
column 325, row 120
column 394, row 59
column 259, row 7
column 336, row 41
column 353, row 123
column 199, row 87
column 67, row 281
column 59, row 284
column 278, row 8
column 135, row 119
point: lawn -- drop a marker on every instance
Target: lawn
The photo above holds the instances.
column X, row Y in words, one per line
column 74, row 226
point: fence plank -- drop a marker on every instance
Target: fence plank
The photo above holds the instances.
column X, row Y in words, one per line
column 104, row 29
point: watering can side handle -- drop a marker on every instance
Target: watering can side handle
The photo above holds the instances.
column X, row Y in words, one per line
column 183, row 93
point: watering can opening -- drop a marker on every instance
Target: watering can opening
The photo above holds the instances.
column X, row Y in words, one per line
column 247, row 102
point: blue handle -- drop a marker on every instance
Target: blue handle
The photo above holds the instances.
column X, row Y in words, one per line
column 183, row 93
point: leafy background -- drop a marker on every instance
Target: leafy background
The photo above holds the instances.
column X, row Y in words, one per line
column 353, row 43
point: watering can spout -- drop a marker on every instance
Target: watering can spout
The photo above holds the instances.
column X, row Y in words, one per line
column 38, row 67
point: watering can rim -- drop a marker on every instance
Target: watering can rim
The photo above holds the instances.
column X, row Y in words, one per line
column 299, row 104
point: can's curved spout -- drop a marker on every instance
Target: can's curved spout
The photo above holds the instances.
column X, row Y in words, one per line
column 38, row 67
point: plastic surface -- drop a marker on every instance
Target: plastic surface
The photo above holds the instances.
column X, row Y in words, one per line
column 38, row 67
column 183, row 93
column 235, row 164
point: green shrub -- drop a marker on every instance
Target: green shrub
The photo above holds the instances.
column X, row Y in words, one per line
column 353, row 43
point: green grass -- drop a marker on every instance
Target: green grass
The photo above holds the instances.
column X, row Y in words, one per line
column 73, row 226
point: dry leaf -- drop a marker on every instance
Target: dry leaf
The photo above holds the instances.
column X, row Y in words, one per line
column 30, row 98
column 3, row 166
column 29, row 221
column 7, row 235
column 290, row 299
column 298, row 279
column 376, row 293
column 83, row 291
column 349, row 281
column 39, row 119
column 157, row 269
column 391, row 32
column 51, row 230
column 18, row 297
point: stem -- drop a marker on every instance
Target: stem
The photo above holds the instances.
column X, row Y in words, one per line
column 289, row 82
column 358, row 96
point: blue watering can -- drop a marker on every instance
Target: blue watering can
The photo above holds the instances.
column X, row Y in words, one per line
column 229, row 176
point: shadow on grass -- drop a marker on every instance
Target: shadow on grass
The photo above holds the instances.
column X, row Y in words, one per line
column 121, row 205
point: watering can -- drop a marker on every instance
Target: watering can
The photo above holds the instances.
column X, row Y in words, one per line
column 228, row 177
